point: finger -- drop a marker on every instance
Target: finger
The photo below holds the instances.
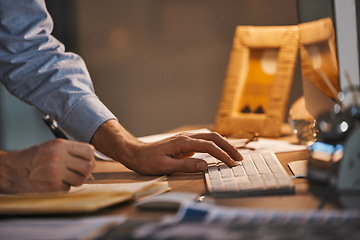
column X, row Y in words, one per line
column 185, row 144
column 188, row 165
column 73, row 178
column 184, row 155
column 221, row 142
column 79, row 166
column 82, row 150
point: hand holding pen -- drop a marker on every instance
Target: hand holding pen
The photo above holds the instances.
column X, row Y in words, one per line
column 58, row 133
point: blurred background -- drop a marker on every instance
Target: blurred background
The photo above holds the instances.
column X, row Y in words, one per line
column 156, row 64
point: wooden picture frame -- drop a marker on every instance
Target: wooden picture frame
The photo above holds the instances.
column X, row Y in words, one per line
column 318, row 52
column 258, row 80
column 319, row 65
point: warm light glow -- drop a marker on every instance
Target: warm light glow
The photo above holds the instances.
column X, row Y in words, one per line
column 261, row 72
column 269, row 61
column 315, row 56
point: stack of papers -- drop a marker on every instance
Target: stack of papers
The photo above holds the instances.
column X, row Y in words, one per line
column 86, row 198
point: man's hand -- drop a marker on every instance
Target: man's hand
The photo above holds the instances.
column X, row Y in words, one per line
column 164, row 157
column 173, row 154
column 48, row 167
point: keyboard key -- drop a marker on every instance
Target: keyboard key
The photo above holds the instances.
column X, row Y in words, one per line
column 256, row 182
column 243, row 183
column 249, row 166
column 259, row 163
column 226, row 172
column 231, row 186
column 272, row 163
column 238, row 171
column 214, row 174
column 269, row 180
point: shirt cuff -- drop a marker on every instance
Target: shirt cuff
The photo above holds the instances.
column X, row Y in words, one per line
column 85, row 118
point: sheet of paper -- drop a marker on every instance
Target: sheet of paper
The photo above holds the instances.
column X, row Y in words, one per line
column 299, row 168
column 267, row 145
column 57, row 228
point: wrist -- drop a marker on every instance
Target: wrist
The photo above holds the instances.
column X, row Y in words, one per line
column 116, row 142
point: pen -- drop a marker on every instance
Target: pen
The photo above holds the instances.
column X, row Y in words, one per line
column 54, row 127
column 57, row 132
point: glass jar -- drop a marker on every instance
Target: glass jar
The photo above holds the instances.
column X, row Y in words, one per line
column 301, row 122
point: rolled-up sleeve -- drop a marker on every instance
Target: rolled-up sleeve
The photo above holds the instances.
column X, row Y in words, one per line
column 35, row 68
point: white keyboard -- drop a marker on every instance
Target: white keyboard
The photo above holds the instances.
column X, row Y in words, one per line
column 257, row 174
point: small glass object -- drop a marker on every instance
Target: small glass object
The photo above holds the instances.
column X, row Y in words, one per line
column 301, row 122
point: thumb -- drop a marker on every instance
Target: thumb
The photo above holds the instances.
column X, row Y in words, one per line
column 189, row 165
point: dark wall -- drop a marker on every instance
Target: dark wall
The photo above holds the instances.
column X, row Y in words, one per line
column 63, row 13
column 159, row 64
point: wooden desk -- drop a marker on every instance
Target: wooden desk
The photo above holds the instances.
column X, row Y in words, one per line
column 114, row 172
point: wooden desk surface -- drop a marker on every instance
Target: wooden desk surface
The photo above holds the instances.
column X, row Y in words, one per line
column 113, row 172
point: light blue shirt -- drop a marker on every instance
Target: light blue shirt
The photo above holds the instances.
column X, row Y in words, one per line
column 35, row 68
